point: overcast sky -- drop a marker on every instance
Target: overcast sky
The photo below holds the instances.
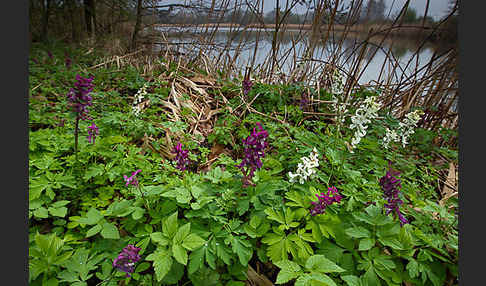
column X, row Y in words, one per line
column 437, row 8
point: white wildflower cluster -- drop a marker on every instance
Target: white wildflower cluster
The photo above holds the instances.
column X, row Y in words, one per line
column 364, row 114
column 139, row 96
column 337, row 90
column 390, row 136
column 405, row 129
column 307, row 168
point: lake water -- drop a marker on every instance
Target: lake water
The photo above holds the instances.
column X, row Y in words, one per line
column 294, row 43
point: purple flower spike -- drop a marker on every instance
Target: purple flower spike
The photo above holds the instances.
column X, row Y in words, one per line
column 93, row 131
column 254, row 145
column 391, row 185
column 132, row 180
column 125, row 261
column 68, row 62
column 247, row 84
column 324, row 200
column 49, row 54
column 79, row 97
column 181, row 157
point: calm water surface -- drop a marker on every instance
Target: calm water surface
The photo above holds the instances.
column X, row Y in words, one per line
column 402, row 50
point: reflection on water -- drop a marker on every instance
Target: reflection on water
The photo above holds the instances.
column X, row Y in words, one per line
column 293, row 45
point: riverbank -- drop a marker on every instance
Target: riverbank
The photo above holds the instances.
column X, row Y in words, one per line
column 406, row 30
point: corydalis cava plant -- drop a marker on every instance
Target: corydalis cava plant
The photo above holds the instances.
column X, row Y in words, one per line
column 391, row 185
column 324, row 200
column 139, row 96
column 405, row 129
column 364, row 114
column 246, row 85
column 307, row 168
column 79, row 99
column 337, row 90
column 132, row 180
column 125, row 261
column 182, row 160
column 254, row 145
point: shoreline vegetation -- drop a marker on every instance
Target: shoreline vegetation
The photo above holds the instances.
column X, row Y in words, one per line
column 381, row 29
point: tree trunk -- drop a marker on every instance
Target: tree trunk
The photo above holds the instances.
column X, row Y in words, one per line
column 71, row 7
column 133, row 44
column 90, row 16
column 45, row 18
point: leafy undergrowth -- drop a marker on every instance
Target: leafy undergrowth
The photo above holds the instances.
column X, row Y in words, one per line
column 204, row 221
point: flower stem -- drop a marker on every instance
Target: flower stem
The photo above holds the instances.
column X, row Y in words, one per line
column 76, row 133
column 145, row 202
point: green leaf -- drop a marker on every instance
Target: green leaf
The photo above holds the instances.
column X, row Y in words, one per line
column 59, row 212
column 159, row 238
column 322, row 278
column 392, row 242
column 180, row 254
column 41, row 213
column 181, row 233
column 170, row 225
column 142, row 267
column 288, row 265
column 138, row 213
column 242, row 249
column 93, row 216
column 273, row 215
column 358, row 232
column 413, row 268
column 384, row 262
column 192, row 241
column 321, row 264
column 175, row 274
column 93, row 171
column 277, row 251
column 94, row 230
column 303, row 280
column 366, row 244
column 195, row 260
column 109, row 231
column 255, row 221
column 59, row 204
column 196, row 191
column 272, row 238
column 351, row 280
column 370, row 278
column 285, row 276
column 36, row 187
column 162, row 262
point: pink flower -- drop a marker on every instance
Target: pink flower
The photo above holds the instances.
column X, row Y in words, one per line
column 132, row 180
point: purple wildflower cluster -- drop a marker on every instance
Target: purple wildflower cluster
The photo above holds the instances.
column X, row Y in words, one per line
column 247, row 84
column 49, row 54
column 125, row 261
column 79, row 97
column 304, row 101
column 132, row 180
column 255, row 145
column 181, row 157
column 92, row 132
column 390, row 185
column 325, row 200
